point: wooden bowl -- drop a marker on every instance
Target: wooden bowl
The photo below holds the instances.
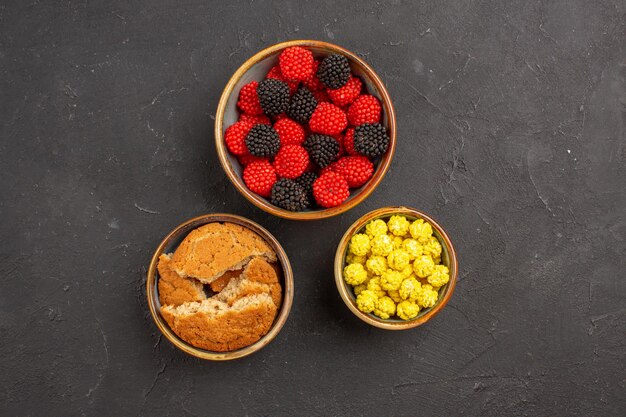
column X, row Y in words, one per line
column 255, row 69
column 448, row 258
column 171, row 242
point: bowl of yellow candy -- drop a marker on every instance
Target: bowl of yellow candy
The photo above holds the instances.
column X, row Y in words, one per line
column 395, row 268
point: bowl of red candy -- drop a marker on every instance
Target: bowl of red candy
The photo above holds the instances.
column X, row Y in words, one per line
column 305, row 130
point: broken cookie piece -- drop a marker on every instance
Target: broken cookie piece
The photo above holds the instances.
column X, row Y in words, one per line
column 215, row 325
column 174, row 289
column 211, row 250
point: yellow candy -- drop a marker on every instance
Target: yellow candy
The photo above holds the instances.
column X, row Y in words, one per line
column 360, row 288
column 407, row 310
column 375, row 228
column 421, row 230
column 381, row 245
column 360, row 244
column 432, row 248
column 412, row 247
column 410, row 288
column 376, row 265
column 390, row 280
column 395, row 296
column 394, row 267
column 407, row 271
column 374, row 286
column 398, row 259
column 423, row 266
column 398, row 225
column 385, row 307
column 439, row 277
column 427, row 297
column 354, row 274
column 366, row 301
column 354, row 259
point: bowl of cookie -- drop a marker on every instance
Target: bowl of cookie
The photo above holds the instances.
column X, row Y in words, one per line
column 219, row 287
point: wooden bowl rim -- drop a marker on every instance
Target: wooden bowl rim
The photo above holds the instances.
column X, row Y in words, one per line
column 288, row 288
column 342, row 287
column 260, row 202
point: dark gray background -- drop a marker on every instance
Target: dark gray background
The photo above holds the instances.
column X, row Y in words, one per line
column 511, row 133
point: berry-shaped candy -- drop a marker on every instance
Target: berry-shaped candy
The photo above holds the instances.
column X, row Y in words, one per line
column 334, row 71
column 347, row 94
column 246, row 159
column 312, row 82
column 302, row 105
column 357, row 170
column 348, row 142
column 259, row 177
column 354, row 274
column 321, row 96
column 407, row 310
column 289, row 195
column 235, row 137
column 371, row 140
column 273, row 96
column 365, row 109
column 296, row 63
column 249, row 100
column 291, row 161
column 306, row 181
column 330, row 190
column 322, row 149
column 261, row 118
column 360, row 244
column 328, row 119
column 275, row 74
column 262, row 140
column 339, row 139
column 289, row 132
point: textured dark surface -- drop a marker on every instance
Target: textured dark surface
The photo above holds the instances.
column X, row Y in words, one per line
column 511, row 133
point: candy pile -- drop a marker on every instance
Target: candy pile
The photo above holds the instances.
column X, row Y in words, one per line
column 306, row 134
column 395, row 267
